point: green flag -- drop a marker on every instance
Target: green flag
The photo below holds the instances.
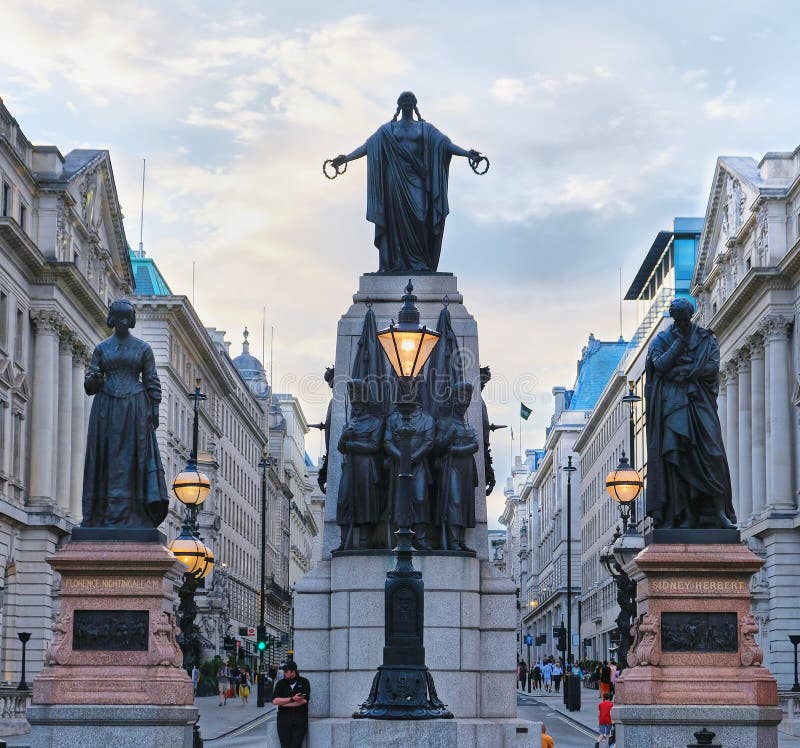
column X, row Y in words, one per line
column 524, row 411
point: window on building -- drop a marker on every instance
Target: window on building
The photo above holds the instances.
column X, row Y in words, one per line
column 22, row 215
column 6, row 198
column 3, row 321
column 20, row 324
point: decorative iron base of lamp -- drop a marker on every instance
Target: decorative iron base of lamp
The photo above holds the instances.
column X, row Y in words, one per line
column 402, row 693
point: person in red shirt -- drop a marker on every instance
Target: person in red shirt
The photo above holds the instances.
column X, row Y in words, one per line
column 604, row 708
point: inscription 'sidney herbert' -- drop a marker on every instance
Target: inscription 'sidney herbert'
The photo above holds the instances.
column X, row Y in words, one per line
column 698, row 585
column 131, row 584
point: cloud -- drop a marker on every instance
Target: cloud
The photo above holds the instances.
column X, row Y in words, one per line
column 508, row 89
column 727, row 106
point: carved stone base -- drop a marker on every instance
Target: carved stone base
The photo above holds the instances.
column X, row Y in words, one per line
column 114, row 637
column 694, row 639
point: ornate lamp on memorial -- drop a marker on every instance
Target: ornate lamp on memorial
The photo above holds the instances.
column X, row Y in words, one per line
column 624, row 484
column 403, row 687
column 191, row 488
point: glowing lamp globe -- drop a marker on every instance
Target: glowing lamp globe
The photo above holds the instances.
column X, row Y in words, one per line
column 191, row 552
column 624, row 484
column 407, row 344
column 191, row 486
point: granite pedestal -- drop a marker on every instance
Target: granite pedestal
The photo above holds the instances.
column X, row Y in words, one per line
column 695, row 661
column 114, row 662
column 470, row 609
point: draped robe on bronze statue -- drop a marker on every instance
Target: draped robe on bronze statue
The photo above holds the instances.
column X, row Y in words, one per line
column 407, row 198
column 686, row 462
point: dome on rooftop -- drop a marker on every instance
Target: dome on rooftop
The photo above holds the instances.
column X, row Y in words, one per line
column 251, row 369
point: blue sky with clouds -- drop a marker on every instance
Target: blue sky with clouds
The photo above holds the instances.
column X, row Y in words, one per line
column 602, row 122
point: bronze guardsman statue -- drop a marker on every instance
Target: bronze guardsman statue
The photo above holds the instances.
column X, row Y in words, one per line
column 123, row 477
column 688, row 481
column 322, row 475
column 456, row 445
column 359, row 500
column 421, row 447
column 408, row 162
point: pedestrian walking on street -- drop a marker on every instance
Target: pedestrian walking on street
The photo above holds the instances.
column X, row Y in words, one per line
column 223, row 683
column 547, row 740
column 604, row 719
column 605, row 679
column 522, row 674
column 537, row 675
column 547, row 676
column 244, row 686
column 195, row 679
column 291, row 696
column 557, row 673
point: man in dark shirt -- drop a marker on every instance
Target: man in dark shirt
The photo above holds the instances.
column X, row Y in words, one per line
column 291, row 696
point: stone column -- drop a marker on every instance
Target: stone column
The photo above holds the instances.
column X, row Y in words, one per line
column 732, row 426
column 745, row 508
column 78, row 431
column 758, row 424
column 64, row 438
column 779, row 431
column 722, row 405
column 43, row 402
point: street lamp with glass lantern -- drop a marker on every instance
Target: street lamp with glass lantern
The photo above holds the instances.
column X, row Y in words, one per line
column 624, row 484
column 631, row 399
column 569, row 469
column 263, row 464
column 408, row 346
column 191, row 487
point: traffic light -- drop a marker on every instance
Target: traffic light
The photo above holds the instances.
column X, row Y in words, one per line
column 261, row 638
column 562, row 640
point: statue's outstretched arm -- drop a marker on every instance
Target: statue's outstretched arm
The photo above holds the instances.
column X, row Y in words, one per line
column 359, row 152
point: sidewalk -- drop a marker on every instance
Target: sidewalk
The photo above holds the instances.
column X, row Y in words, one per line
column 587, row 716
column 216, row 720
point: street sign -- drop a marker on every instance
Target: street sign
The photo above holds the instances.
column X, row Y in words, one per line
column 528, row 639
column 251, row 631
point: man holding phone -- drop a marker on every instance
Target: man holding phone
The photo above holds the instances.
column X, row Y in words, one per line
column 291, row 696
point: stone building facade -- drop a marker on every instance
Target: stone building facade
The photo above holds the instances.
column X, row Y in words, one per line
column 747, row 285
column 63, row 258
column 537, row 495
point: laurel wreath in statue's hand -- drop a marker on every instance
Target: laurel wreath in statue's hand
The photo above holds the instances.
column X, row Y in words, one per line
column 338, row 164
column 475, row 159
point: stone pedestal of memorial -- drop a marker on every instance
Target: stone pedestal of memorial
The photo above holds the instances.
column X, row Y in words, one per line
column 695, row 661
column 470, row 609
column 113, row 673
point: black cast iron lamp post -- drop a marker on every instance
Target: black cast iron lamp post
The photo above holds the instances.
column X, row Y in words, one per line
column 24, row 636
column 569, row 469
column 795, row 640
column 191, row 487
column 403, row 687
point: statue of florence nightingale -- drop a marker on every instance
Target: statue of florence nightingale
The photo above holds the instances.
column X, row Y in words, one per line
column 123, row 478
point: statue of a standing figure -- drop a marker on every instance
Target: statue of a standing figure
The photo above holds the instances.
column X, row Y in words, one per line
column 322, row 475
column 688, row 481
column 421, row 445
column 407, row 171
column 123, row 478
column 456, row 445
column 359, row 500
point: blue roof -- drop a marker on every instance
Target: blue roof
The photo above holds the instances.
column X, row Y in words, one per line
column 599, row 360
column 148, row 278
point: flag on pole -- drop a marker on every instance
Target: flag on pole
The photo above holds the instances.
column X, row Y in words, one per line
column 524, row 411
